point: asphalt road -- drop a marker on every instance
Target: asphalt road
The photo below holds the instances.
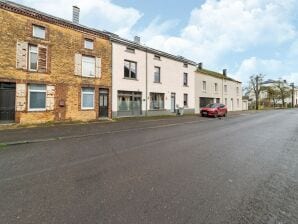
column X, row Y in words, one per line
column 242, row 169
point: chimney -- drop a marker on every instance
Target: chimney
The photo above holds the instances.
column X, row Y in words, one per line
column 137, row 40
column 200, row 66
column 285, row 81
column 76, row 14
column 224, row 72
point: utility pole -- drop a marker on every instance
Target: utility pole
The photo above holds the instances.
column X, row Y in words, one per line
column 257, row 92
column 293, row 93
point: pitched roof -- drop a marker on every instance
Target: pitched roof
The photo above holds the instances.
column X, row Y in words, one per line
column 215, row 74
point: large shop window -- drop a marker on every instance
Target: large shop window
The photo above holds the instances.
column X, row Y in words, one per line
column 88, row 66
column 87, row 98
column 37, row 97
column 157, row 101
column 130, row 69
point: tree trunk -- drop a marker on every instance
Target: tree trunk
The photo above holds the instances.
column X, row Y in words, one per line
column 257, row 102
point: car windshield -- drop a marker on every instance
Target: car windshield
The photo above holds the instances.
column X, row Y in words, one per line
column 212, row 105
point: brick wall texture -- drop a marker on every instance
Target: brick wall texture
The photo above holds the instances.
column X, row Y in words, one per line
column 63, row 86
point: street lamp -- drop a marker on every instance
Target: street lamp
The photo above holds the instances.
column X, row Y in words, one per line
column 293, row 92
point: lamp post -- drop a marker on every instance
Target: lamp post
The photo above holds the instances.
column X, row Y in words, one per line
column 293, row 92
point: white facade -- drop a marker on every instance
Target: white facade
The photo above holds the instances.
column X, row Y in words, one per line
column 141, row 95
column 211, row 89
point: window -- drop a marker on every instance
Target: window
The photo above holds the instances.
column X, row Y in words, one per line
column 215, row 87
column 37, row 97
column 157, row 101
column 185, row 65
column 204, row 86
column 130, row 69
column 89, row 44
column 226, row 101
column 226, row 88
column 157, row 74
column 237, row 90
column 39, row 31
column 87, row 100
column 130, row 50
column 88, row 66
column 238, row 103
column 185, row 79
column 157, row 57
column 33, row 57
column 185, row 100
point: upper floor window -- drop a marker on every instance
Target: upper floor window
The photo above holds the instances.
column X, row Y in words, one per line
column 89, row 44
column 130, row 69
column 237, row 90
column 156, row 57
column 215, row 87
column 130, row 49
column 39, row 31
column 185, row 65
column 225, row 88
column 185, row 79
column 204, row 86
column 33, row 57
column 157, row 74
column 185, row 100
column 88, row 66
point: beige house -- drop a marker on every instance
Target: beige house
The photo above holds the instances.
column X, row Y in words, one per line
column 214, row 87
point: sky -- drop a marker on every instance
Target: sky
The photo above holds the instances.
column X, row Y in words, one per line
column 246, row 37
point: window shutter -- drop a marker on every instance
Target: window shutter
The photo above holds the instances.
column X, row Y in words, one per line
column 78, row 64
column 98, row 68
column 22, row 55
column 42, row 58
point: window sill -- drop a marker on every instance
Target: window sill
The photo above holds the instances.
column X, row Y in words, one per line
column 157, row 109
column 127, row 51
column 133, row 79
column 185, row 85
column 92, row 77
column 157, row 82
column 87, row 109
column 37, row 110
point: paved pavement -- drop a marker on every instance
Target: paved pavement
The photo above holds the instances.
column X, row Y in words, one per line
column 242, row 169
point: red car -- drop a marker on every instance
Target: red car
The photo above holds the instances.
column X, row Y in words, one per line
column 214, row 110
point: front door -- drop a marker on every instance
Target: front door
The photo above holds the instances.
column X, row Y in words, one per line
column 7, row 102
column 103, row 103
column 173, row 102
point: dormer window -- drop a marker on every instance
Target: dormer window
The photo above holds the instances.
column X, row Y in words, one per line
column 185, row 65
column 157, row 57
column 89, row 44
column 39, row 31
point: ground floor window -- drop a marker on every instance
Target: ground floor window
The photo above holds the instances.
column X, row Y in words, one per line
column 238, row 103
column 157, row 101
column 37, row 97
column 185, row 100
column 87, row 98
column 129, row 103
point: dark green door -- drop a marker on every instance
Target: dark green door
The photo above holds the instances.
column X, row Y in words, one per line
column 7, row 102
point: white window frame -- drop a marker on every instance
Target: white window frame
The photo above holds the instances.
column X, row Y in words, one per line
column 86, row 41
column 159, row 75
column 29, row 59
column 90, row 76
column 89, row 93
column 34, row 34
column 37, row 91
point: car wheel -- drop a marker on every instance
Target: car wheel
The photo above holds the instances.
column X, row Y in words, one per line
column 216, row 115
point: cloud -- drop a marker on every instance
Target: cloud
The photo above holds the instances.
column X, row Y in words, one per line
column 101, row 14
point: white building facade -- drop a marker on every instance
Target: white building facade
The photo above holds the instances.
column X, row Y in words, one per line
column 213, row 87
column 150, row 82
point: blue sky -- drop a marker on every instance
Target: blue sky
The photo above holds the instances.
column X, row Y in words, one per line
column 245, row 36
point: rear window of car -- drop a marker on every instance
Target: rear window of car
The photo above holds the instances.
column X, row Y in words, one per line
column 211, row 105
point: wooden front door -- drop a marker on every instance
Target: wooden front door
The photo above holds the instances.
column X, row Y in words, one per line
column 103, row 103
column 7, row 102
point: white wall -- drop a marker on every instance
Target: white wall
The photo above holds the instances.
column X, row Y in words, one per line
column 171, row 77
column 210, row 91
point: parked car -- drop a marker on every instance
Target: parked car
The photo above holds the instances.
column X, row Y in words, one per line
column 214, row 110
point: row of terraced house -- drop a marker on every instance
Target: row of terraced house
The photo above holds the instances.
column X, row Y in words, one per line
column 53, row 69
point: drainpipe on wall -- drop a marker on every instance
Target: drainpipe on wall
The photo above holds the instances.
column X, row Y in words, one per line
column 146, row 99
column 111, row 94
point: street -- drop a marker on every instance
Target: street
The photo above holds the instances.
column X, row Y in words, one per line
column 239, row 169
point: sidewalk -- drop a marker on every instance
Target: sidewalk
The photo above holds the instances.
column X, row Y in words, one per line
column 61, row 131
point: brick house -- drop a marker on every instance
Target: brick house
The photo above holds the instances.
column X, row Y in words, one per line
column 51, row 69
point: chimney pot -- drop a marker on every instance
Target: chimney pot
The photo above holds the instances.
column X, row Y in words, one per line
column 137, row 40
column 224, row 72
column 200, row 66
column 76, row 14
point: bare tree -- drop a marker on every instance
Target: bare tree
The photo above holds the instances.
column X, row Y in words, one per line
column 272, row 94
column 284, row 90
column 255, row 83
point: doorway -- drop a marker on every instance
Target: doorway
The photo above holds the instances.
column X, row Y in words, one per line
column 103, row 103
column 173, row 102
column 7, row 102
